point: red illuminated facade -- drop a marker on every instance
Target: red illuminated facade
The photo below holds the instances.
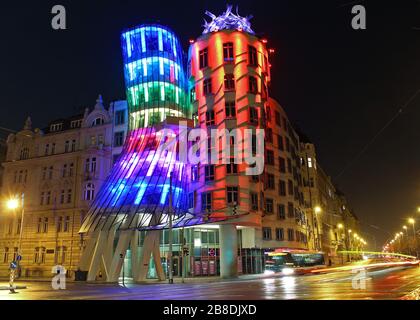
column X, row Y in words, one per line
column 230, row 80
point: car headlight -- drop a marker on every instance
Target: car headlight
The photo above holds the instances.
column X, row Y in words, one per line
column 288, row 271
column 269, row 272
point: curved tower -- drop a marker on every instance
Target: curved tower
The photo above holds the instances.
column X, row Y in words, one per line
column 137, row 193
column 229, row 76
column 154, row 75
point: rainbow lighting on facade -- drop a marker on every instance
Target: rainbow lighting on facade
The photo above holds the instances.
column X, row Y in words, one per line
column 154, row 75
column 136, row 194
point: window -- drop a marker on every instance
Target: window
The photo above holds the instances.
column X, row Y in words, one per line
column 266, row 233
column 232, row 195
column 89, row 192
column 270, row 181
column 254, row 201
column 47, row 149
column 61, row 255
column 270, row 157
column 281, row 212
column 45, row 225
column 269, row 135
column 203, row 56
column 193, row 95
column 191, row 201
column 119, row 138
column 232, row 167
column 56, row 127
column 75, row 124
column 62, row 196
column 39, row 225
column 64, row 171
column 6, row 255
column 59, row 224
column 24, row 154
column 206, row 201
column 277, row 118
column 282, row 165
column 50, row 172
column 253, row 115
column 209, row 172
column 47, row 197
column 69, row 195
column 268, row 114
column 269, row 206
column 73, row 145
column 53, row 148
column 291, row 234
column 287, row 144
column 194, row 173
column 93, row 140
column 230, row 109
column 229, row 82
column 289, row 165
column 210, row 118
column 119, row 117
column 67, row 146
column 207, row 89
column 279, row 234
column 311, row 182
column 253, row 61
column 71, row 168
column 15, row 253
column 66, row 226
column 253, row 87
column 309, row 162
column 19, row 225
column 282, row 188
column 228, row 51
column 290, row 187
column 97, row 122
column 90, row 165
column 290, row 210
column 39, row 256
column 280, row 143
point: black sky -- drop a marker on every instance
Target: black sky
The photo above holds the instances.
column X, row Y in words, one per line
column 339, row 85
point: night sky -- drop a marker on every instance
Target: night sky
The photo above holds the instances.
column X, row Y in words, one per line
column 340, row 86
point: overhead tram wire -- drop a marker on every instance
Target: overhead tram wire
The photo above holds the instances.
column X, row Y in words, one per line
column 366, row 147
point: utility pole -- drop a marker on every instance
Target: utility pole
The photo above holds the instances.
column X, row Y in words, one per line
column 171, row 280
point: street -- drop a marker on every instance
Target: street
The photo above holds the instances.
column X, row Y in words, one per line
column 389, row 283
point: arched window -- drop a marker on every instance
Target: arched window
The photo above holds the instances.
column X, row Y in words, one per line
column 89, row 193
column 97, row 122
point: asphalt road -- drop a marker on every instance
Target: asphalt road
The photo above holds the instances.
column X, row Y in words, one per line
column 391, row 283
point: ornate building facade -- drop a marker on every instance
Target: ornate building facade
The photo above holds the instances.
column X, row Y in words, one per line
column 58, row 170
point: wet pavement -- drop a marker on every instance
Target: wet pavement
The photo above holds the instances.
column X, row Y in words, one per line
column 389, row 283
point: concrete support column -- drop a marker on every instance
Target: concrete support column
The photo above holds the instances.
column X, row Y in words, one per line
column 228, row 251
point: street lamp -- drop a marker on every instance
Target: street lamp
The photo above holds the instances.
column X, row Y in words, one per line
column 412, row 221
column 13, row 204
column 317, row 210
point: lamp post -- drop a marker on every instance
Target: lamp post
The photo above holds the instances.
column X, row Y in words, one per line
column 413, row 222
column 13, row 204
column 317, row 210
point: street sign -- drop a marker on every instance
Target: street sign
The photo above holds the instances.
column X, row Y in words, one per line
column 19, row 258
column 13, row 265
